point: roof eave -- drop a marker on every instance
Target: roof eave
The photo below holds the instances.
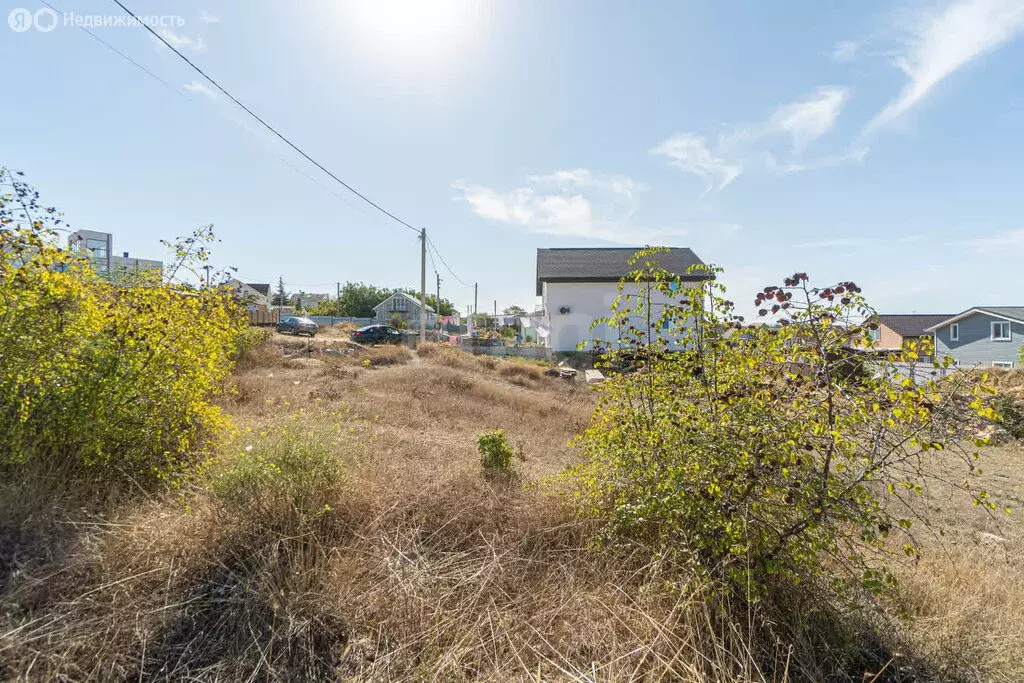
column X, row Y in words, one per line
column 968, row 313
column 615, row 280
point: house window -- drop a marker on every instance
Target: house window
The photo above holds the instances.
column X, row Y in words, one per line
column 1001, row 330
column 398, row 304
column 876, row 334
column 1002, row 364
column 954, row 332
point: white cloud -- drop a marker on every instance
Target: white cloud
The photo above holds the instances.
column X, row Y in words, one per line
column 751, row 145
column 183, row 42
column 845, row 50
column 572, row 203
column 808, row 119
column 208, row 18
column 852, row 155
column 582, row 178
column 1008, row 239
column 200, row 88
column 942, row 43
column 690, row 153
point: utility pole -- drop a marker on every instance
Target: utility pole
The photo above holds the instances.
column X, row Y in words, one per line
column 474, row 297
column 423, row 285
column 437, row 303
column 207, row 268
column 339, row 298
column 495, row 308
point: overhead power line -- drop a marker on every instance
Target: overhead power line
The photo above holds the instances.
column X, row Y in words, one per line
column 266, row 125
column 433, row 246
column 118, row 52
column 178, row 91
column 430, row 253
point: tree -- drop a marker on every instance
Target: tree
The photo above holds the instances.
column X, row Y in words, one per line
column 446, row 307
column 756, row 453
column 324, row 307
column 281, row 298
column 514, row 310
column 358, row 299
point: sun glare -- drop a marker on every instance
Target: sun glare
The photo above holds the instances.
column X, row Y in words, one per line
column 413, row 28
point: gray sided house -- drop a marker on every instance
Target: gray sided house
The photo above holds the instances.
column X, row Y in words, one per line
column 404, row 306
column 988, row 336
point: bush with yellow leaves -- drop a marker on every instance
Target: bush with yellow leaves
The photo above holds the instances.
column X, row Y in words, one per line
column 95, row 372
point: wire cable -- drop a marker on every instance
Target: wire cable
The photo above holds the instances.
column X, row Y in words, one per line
column 265, row 124
column 178, row 91
column 433, row 246
column 121, row 54
column 431, row 255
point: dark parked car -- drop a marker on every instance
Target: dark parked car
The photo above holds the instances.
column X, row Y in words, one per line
column 377, row 334
column 296, row 325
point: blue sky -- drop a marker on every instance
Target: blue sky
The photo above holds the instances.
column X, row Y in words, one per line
column 873, row 141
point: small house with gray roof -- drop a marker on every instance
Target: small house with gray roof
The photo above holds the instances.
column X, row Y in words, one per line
column 579, row 285
column 986, row 336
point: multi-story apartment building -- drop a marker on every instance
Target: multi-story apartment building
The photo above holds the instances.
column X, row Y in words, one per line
column 98, row 247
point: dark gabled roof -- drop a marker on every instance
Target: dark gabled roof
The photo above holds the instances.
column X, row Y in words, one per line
column 911, row 324
column 1012, row 313
column 261, row 288
column 606, row 264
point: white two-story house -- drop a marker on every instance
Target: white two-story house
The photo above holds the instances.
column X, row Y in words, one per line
column 579, row 286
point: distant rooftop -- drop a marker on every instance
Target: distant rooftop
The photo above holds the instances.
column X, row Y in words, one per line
column 610, row 264
column 912, row 324
column 263, row 289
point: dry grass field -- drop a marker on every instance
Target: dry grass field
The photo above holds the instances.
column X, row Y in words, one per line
column 345, row 532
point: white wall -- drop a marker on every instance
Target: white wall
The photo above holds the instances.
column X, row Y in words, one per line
column 587, row 301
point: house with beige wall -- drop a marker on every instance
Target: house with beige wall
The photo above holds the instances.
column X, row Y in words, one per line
column 896, row 331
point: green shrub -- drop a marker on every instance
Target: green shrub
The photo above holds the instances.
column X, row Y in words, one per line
column 289, row 475
column 747, row 452
column 495, row 451
column 98, row 373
